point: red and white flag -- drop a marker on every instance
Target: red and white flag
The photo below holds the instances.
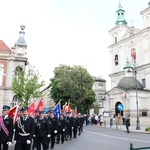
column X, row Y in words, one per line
column 69, row 107
column 31, row 110
column 13, row 113
column 40, row 106
column 64, row 109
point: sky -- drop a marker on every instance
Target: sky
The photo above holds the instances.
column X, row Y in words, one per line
column 69, row 32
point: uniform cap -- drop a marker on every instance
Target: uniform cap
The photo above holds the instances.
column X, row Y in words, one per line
column 24, row 108
column 36, row 111
column 68, row 112
column 41, row 112
column 5, row 107
column 51, row 111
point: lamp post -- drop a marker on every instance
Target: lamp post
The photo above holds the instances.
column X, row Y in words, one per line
column 137, row 107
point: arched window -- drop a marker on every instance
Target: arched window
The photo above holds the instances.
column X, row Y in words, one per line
column 116, row 61
column 14, row 101
column 18, row 69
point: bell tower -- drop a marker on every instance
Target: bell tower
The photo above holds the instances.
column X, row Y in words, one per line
column 20, row 45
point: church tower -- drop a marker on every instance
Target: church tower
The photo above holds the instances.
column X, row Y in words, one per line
column 20, row 45
column 130, row 84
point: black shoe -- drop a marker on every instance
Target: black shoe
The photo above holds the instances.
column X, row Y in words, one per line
column 52, row 147
column 62, row 142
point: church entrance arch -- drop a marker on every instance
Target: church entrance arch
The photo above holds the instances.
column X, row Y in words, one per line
column 118, row 111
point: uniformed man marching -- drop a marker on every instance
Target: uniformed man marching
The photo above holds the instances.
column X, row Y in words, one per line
column 6, row 128
column 34, row 138
column 69, row 125
column 42, row 131
column 53, row 127
column 75, row 125
column 61, row 129
column 80, row 123
column 24, row 130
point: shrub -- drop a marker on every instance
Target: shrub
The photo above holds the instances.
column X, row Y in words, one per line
column 147, row 129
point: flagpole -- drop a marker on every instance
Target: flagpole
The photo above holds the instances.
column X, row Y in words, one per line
column 16, row 112
column 57, row 103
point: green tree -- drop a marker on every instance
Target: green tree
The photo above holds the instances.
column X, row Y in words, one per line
column 26, row 85
column 74, row 83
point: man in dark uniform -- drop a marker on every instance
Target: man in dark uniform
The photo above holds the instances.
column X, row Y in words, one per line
column 6, row 129
column 34, row 138
column 80, row 123
column 53, row 127
column 70, row 125
column 61, row 129
column 42, row 131
column 75, row 125
column 25, row 127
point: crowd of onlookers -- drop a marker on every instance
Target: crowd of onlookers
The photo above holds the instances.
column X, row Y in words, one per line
column 95, row 119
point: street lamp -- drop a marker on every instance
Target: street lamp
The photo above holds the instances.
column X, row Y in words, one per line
column 137, row 107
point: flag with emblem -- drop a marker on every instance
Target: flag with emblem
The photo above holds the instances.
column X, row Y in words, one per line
column 40, row 106
column 57, row 110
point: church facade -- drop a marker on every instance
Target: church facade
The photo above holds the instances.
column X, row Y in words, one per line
column 130, row 68
column 11, row 59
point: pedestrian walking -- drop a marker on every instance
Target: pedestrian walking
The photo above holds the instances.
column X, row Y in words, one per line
column 6, row 129
column 24, row 130
column 128, row 123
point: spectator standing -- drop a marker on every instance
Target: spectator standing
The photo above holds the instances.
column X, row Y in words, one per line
column 128, row 123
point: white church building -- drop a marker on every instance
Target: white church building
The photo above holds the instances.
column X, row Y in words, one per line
column 130, row 69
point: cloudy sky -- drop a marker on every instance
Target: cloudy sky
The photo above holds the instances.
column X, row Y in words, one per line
column 70, row 32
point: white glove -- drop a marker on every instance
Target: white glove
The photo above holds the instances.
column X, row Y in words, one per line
column 8, row 143
column 78, row 126
column 28, row 142
column 15, row 142
column 72, row 127
column 55, row 131
column 63, row 129
column 34, row 135
column 48, row 135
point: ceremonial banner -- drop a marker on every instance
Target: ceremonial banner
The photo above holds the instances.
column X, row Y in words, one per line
column 31, row 110
column 40, row 106
column 57, row 110
column 13, row 113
